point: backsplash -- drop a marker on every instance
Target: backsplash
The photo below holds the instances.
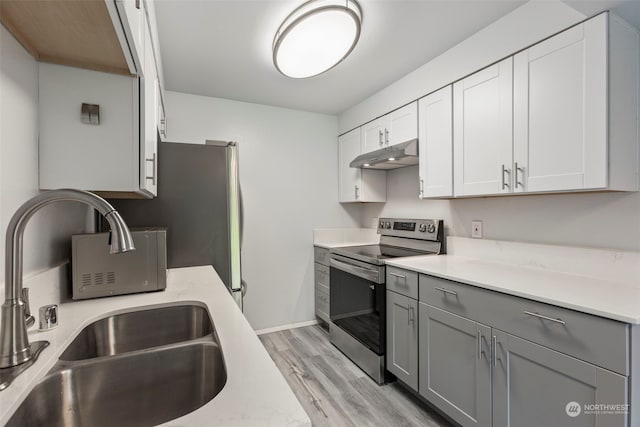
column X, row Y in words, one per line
column 598, row 220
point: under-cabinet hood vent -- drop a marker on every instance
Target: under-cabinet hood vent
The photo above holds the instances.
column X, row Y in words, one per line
column 393, row 157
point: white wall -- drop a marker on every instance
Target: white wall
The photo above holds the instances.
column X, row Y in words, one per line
column 524, row 26
column 47, row 240
column 607, row 220
column 288, row 173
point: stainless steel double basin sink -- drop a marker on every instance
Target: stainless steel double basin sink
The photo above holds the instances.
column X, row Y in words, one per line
column 139, row 368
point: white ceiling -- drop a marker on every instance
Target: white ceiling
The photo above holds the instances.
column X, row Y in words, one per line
column 222, row 48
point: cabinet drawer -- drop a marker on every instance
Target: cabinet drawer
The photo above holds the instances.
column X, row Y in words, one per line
column 402, row 281
column 322, row 275
column 322, row 304
column 321, row 255
column 594, row 339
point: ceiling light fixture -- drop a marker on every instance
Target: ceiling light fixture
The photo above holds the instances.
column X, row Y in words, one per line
column 316, row 37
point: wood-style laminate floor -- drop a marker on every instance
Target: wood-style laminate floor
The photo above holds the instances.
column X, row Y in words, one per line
column 334, row 391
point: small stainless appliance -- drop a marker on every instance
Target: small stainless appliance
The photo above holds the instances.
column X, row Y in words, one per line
column 96, row 273
column 358, row 291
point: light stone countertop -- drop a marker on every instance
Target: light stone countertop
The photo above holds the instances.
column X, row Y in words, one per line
column 255, row 394
column 588, row 294
column 341, row 237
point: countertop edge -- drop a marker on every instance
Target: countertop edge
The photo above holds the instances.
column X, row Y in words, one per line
column 250, row 369
column 406, row 263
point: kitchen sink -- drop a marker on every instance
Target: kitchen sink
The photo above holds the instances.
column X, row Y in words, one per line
column 139, row 330
column 139, row 368
column 142, row 389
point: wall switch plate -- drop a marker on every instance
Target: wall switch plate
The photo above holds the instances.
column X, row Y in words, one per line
column 476, row 229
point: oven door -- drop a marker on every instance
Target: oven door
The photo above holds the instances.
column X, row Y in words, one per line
column 358, row 301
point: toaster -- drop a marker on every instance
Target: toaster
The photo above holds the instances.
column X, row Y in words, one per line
column 97, row 273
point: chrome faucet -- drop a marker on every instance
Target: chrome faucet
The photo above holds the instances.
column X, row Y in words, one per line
column 14, row 343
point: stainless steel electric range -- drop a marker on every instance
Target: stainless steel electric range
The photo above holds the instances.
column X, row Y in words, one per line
column 358, row 291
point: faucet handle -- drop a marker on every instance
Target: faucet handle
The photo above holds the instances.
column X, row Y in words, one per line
column 28, row 318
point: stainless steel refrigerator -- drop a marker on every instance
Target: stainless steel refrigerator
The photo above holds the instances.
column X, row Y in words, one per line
column 199, row 201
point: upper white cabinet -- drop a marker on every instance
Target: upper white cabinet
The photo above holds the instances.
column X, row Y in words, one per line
column 482, row 135
column 559, row 116
column 398, row 126
column 402, row 124
column 117, row 154
column 575, row 107
column 435, row 121
column 358, row 185
column 149, row 116
column 373, row 134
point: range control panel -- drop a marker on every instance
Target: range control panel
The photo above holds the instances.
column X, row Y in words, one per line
column 425, row 229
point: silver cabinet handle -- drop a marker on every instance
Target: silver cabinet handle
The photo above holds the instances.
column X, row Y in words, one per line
column 380, row 137
column 399, row 276
column 480, row 352
column 154, row 162
column 357, row 191
column 412, row 315
column 386, row 136
column 372, row 287
column 504, row 183
column 518, row 169
column 163, row 128
column 421, row 188
column 494, row 350
column 446, row 291
column 540, row 316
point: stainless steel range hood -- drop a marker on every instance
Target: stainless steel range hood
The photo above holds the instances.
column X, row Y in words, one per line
column 393, row 157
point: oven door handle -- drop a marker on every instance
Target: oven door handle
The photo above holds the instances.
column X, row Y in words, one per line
column 356, row 270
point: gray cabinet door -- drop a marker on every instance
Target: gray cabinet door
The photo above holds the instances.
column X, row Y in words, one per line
column 454, row 364
column 535, row 386
column 402, row 338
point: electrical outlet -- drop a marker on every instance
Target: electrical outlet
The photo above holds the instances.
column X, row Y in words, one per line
column 476, row 229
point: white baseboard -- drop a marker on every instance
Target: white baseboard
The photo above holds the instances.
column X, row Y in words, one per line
column 285, row 327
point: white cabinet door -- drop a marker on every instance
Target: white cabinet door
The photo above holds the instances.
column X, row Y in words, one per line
column 560, row 111
column 149, row 125
column 373, row 134
column 132, row 17
column 436, row 144
column 482, row 131
column 350, row 179
column 402, row 125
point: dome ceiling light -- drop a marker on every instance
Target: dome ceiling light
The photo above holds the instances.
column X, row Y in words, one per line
column 316, row 37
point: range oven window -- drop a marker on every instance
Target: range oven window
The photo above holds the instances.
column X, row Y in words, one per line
column 358, row 307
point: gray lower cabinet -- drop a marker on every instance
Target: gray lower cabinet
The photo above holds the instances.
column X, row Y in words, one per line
column 535, row 386
column 322, row 283
column 553, row 367
column 454, row 364
column 402, row 338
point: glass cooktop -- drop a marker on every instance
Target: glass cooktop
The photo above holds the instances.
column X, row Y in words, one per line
column 376, row 254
